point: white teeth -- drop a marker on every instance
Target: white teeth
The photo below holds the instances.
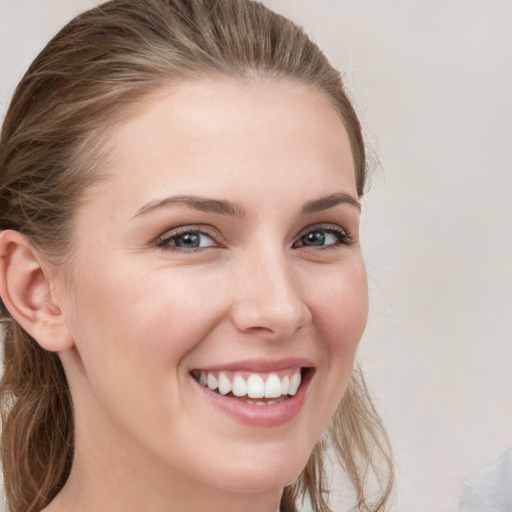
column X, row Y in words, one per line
column 239, row 386
column 255, row 387
column 294, row 384
column 273, row 387
column 285, row 385
column 224, row 384
column 211, row 381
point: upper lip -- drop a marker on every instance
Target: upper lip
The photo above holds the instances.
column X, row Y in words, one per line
column 260, row 365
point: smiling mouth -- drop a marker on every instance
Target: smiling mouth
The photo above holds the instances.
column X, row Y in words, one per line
column 253, row 388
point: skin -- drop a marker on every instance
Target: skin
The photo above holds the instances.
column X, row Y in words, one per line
column 137, row 316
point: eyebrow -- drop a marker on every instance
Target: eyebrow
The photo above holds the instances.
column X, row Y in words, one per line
column 324, row 203
column 224, row 207
column 220, row 206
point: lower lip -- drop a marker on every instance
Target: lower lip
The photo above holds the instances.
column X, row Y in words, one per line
column 271, row 415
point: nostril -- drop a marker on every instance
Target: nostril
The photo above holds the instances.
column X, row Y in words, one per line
column 281, row 322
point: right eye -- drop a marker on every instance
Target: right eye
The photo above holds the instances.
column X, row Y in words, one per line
column 186, row 239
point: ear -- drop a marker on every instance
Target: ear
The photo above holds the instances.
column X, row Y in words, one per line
column 26, row 291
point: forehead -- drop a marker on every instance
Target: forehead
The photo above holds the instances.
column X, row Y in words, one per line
column 205, row 136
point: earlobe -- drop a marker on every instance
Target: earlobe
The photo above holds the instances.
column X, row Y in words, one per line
column 25, row 289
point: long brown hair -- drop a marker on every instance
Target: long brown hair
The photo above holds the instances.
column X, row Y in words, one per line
column 83, row 83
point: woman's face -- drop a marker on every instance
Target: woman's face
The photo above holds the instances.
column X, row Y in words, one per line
column 222, row 250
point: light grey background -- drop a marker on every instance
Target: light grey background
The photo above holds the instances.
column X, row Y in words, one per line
column 432, row 81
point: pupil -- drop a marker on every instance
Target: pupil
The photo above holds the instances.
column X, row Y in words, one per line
column 315, row 238
column 188, row 240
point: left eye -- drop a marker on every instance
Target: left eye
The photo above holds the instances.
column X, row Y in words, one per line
column 187, row 240
column 323, row 238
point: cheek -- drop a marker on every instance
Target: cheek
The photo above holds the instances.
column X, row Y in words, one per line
column 140, row 322
column 341, row 310
column 340, row 305
column 132, row 334
column 337, row 297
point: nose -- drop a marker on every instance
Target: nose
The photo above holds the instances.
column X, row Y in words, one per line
column 269, row 298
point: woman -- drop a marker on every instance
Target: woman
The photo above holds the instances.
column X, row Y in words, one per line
column 183, row 284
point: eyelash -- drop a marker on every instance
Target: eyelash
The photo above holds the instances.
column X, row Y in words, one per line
column 342, row 237
column 163, row 242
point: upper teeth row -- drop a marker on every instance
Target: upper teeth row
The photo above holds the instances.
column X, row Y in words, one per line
column 254, row 386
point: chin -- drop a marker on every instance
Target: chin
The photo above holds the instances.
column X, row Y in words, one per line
column 262, row 473
column 261, row 481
